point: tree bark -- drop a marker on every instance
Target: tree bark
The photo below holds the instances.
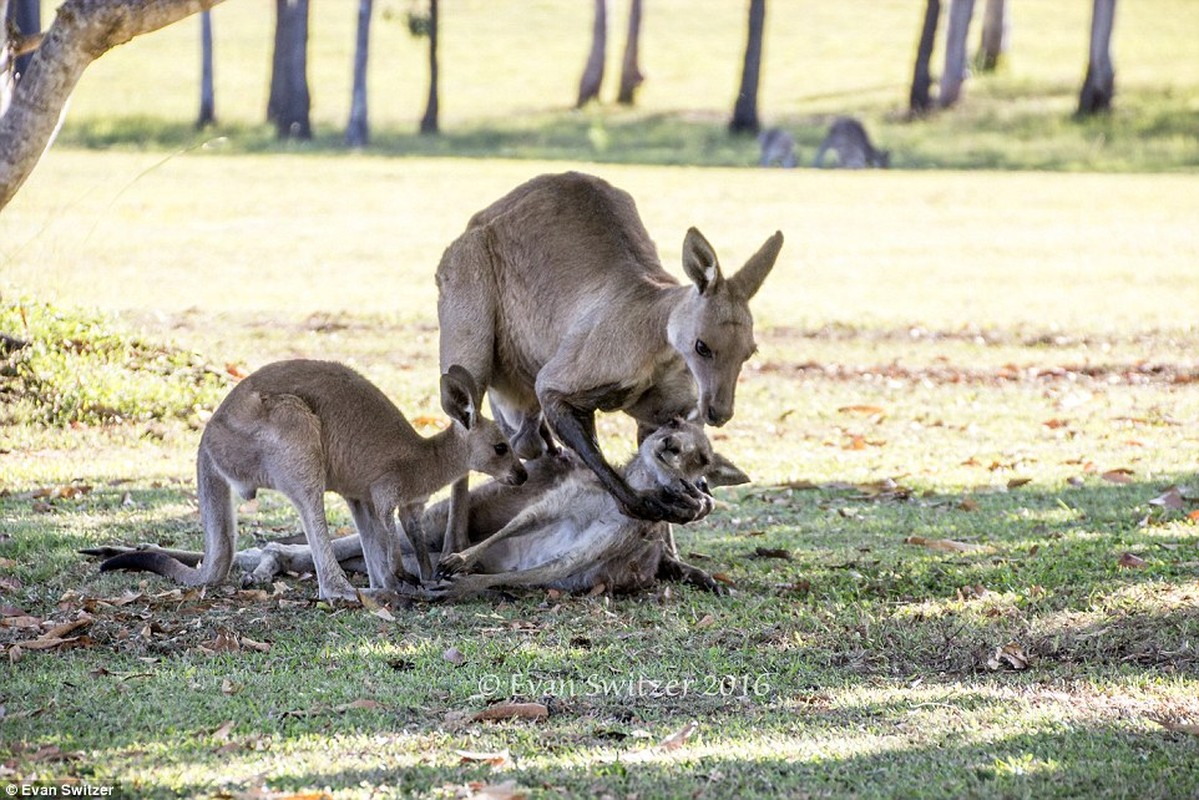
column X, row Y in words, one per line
column 995, row 35
column 289, row 104
column 358, row 127
column 207, row 115
column 83, row 30
column 745, row 110
column 630, row 68
column 428, row 123
column 919, row 100
column 1099, row 85
column 593, row 71
column 960, row 12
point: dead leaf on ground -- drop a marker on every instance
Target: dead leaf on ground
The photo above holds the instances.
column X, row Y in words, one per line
column 1055, row 423
column 721, row 577
column 772, row 552
column 425, row 421
column 946, row 545
column 454, row 656
column 236, row 371
column 1194, row 515
column 10, row 584
column 1011, row 655
column 677, row 739
column 1131, row 561
column 221, row 734
column 972, row 592
column 863, row 410
column 251, row 644
column 707, row 620
column 508, row 790
column 968, row 504
column 223, row 642
column 1171, row 498
column 68, row 492
column 229, row 688
column 501, row 711
column 1122, row 475
column 499, row 758
column 1016, row 483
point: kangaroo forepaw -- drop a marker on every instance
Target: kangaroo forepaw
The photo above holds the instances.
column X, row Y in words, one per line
column 453, row 564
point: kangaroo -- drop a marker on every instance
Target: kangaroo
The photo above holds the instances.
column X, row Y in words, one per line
column 306, row 427
column 848, row 140
column 555, row 301
column 572, row 539
column 778, row 148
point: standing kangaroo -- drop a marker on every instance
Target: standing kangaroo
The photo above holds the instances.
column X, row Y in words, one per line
column 778, row 148
column 555, row 301
column 847, row 138
column 559, row 529
column 306, row 427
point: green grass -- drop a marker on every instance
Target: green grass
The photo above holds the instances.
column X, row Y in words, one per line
column 976, row 355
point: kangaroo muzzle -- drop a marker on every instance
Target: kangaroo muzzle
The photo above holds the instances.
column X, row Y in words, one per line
column 516, row 476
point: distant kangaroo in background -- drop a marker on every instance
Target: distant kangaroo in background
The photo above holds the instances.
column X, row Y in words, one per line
column 848, row 140
column 778, row 148
column 306, row 427
column 554, row 299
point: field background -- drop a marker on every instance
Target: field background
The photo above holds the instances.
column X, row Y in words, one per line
column 993, row 343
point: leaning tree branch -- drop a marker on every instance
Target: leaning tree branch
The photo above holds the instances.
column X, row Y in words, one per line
column 83, row 30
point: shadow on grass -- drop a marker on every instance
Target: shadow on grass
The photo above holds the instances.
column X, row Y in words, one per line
column 1151, row 132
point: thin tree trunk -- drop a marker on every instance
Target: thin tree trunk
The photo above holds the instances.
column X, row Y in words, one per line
column 428, row 123
column 83, row 30
column 358, row 127
column 919, row 101
column 593, row 72
column 960, row 12
column 289, row 104
column 27, row 16
column 1099, row 85
column 207, row 114
column 630, row 68
column 745, row 110
column 995, row 35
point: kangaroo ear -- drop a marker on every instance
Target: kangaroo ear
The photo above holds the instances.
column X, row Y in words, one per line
column 699, row 261
column 749, row 278
column 459, row 396
column 724, row 473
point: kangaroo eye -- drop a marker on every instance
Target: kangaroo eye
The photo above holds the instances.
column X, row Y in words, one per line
column 501, row 449
column 703, row 349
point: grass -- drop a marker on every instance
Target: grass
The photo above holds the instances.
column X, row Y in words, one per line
column 1000, row 357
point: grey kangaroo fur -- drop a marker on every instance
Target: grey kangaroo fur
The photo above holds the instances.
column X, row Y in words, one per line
column 554, row 299
column 778, row 149
column 848, row 140
column 559, row 524
column 306, row 427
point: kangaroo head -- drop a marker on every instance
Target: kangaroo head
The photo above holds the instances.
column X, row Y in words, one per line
column 712, row 328
column 488, row 448
column 680, row 450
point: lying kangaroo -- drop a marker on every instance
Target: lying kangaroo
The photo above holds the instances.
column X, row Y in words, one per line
column 555, row 301
column 848, row 140
column 559, row 529
column 778, row 149
column 307, row 427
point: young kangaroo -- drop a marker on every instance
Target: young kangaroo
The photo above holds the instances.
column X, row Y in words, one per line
column 848, row 140
column 574, row 535
column 778, row 149
column 554, row 299
column 307, row 427
column 574, row 539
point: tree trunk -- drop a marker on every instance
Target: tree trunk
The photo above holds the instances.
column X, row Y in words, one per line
column 960, row 12
column 630, row 69
column 358, row 128
column 83, row 30
column 996, row 33
column 1099, row 85
column 289, row 103
column 8, row 65
column 27, row 16
column 428, row 123
column 593, row 72
column 745, row 110
column 919, row 101
column 207, row 114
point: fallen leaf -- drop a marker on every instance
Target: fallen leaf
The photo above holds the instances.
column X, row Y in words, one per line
column 21, row 622
column 424, row 421
column 224, row 642
column 374, row 606
column 229, row 688
column 772, row 552
column 364, row 704
column 454, row 656
column 1054, row 424
column 706, row 621
column 1011, row 655
column 1131, row 561
column 1170, row 498
column 9, row 584
column 1194, row 515
column 677, row 739
column 499, row 758
column 1123, row 475
column 720, row 577
column 971, row 592
column 221, row 734
column 864, row 410
column 261, row 647
column 1016, row 483
column 508, row 790
column 947, row 545
column 501, row 711
column 235, row 371
column 968, row 504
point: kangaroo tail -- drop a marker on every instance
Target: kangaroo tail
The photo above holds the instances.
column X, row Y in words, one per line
column 155, row 561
